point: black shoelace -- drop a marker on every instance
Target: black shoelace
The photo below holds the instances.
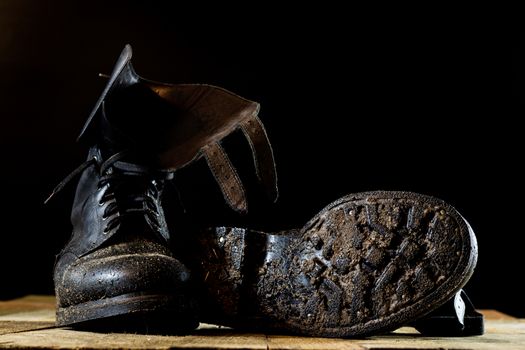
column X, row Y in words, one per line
column 131, row 190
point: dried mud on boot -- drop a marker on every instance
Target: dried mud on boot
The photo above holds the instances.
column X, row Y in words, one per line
column 368, row 263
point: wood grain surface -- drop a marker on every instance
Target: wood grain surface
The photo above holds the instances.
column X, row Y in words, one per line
column 29, row 323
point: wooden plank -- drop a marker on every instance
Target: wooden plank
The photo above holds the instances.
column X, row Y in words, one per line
column 31, row 312
column 27, row 303
column 499, row 335
column 7, row 327
column 496, row 315
column 281, row 342
column 28, row 323
column 69, row 339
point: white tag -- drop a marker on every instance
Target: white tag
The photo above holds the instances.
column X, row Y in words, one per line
column 459, row 306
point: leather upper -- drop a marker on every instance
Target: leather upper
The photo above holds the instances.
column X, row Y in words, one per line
column 120, row 239
column 144, row 131
column 176, row 124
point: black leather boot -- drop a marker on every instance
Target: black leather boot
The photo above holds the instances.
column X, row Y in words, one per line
column 117, row 266
column 118, row 261
column 366, row 264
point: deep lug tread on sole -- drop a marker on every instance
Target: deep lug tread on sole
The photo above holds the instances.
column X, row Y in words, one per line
column 369, row 262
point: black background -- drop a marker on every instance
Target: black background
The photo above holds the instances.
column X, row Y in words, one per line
column 353, row 100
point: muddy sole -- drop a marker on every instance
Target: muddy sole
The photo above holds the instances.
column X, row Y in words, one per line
column 368, row 263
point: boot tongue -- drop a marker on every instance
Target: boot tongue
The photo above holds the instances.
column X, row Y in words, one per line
column 130, row 193
column 136, row 192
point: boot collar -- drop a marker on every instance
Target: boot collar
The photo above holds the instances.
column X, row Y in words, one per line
column 122, row 75
column 209, row 114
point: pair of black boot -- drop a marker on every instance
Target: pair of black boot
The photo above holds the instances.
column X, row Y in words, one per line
column 367, row 263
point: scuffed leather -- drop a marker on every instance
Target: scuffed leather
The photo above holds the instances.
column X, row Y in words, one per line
column 132, row 257
column 212, row 113
column 86, row 213
column 89, row 229
column 130, row 267
column 262, row 152
column 173, row 124
column 117, row 78
column 226, row 176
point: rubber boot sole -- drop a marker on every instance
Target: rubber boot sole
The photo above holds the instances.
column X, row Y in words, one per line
column 148, row 312
column 368, row 263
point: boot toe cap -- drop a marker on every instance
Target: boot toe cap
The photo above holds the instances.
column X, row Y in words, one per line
column 103, row 275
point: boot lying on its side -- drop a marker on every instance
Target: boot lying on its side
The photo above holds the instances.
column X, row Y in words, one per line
column 369, row 262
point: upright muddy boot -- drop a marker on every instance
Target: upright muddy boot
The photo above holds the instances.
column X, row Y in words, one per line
column 367, row 263
column 118, row 269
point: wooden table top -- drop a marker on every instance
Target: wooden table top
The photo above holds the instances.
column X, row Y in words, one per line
column 29, row 323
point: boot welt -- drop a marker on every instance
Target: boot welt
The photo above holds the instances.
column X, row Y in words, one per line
column 133, row 311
